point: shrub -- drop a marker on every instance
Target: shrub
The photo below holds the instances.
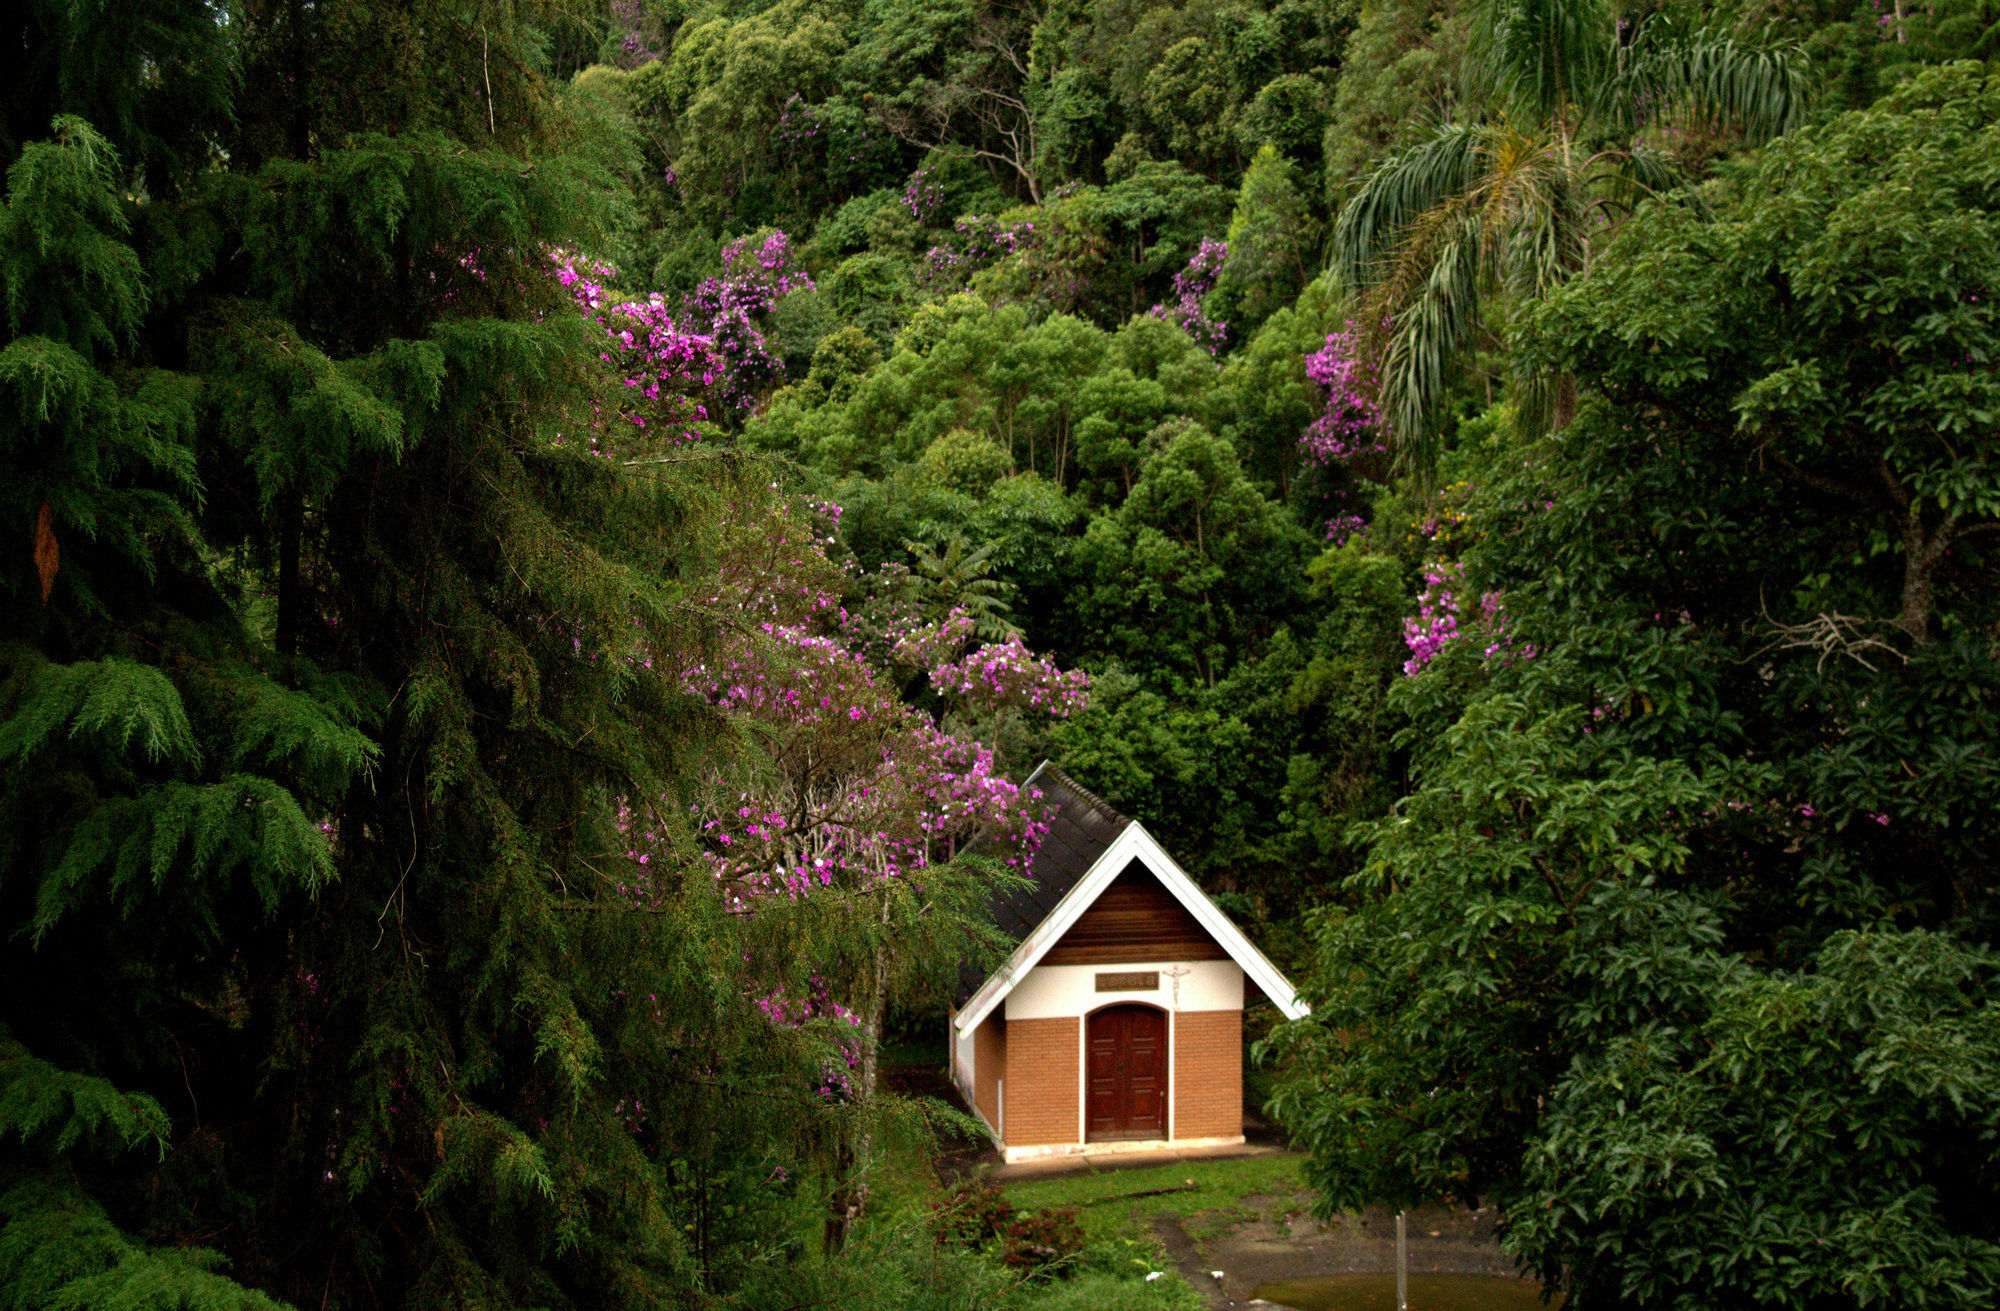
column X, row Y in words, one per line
column 972, row 1214
column 1043, row 1243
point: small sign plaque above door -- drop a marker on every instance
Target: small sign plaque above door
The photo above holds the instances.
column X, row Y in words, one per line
column 1139, row 981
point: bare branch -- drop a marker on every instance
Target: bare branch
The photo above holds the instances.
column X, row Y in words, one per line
column 1830, row 633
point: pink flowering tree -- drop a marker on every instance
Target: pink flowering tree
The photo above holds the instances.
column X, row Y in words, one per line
column 1448, row 611
column 1350, row 422
column 734, row 307
column 979, row 241
column 1191, row 286
column 862, row 831
column 1349, row 426
column 669, row 375
column 662, row 374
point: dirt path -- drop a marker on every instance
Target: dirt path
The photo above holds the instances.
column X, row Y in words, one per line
column 1283, row 1243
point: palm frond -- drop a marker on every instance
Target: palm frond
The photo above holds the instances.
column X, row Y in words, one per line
column 1402, row 188
column 1532, row 213
column 1623, row 178
column 1423, row 316
column 1535, row 57
column 1707, row 80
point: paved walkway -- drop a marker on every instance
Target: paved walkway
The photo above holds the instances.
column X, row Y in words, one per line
column 1057, row 1167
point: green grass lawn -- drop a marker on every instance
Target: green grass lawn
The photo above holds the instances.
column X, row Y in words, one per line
column 1105, row 1208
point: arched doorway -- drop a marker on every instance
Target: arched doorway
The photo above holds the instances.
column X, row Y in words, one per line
column 1126, row 1074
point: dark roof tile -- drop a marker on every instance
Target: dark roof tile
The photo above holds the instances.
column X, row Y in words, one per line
column 1081, row 828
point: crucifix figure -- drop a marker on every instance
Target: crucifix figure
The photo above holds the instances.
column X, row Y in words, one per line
column 1175, row 974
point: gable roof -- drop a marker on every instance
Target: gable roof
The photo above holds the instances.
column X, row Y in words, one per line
column 1088, row 845
column 1081, row 828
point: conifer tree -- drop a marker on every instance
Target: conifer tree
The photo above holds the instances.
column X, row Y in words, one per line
column 326, row 655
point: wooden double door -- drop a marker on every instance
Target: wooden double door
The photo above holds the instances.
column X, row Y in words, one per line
column 1126, row 1066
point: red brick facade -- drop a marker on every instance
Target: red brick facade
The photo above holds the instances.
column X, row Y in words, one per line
column 1208, row 1074
column 1043, row 1094
column 1040, row 1060
column 989, row 1064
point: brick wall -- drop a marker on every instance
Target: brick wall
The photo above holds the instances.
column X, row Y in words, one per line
column 1042, row 1094
column 989, row 1065
column 1208, row 1074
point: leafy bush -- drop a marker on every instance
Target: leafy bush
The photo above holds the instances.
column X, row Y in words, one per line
column 972, row 1214
column 1043, row 1243
column 1040, row 1243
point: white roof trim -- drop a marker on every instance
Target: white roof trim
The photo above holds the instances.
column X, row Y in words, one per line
column 1132, row 843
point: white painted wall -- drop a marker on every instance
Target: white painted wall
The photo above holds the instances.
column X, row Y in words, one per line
column 1052, row 991
column 961, row 1063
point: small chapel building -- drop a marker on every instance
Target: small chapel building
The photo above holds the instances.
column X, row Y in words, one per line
column 1117, row 1022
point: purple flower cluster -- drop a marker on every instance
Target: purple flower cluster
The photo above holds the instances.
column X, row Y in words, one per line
column 633, row 49
column 1350, row 422
column 981, row 240
column 855, row 789
column 865, row 788
column 733, row 306
column 1440, row 614
column 1341, row 527
column 922, row 196
column 1436, row 620
column 1000, row 674
column 1191, row 284
column 661, row 366
column 798, row 128
column 752, row 280
column 784, row 1012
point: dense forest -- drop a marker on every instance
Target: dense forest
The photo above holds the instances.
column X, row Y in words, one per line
column 542, row 538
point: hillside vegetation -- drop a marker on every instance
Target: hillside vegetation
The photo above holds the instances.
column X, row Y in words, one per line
column 546, row 536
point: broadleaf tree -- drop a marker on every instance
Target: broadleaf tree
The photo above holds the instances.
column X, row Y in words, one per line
column 1680, row 949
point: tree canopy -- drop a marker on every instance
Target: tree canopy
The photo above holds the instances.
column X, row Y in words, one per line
column 545, row 538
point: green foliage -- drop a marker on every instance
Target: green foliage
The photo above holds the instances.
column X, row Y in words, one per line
column 1185, row 563
column 54, row 1111
column 1680, row 946
column 1273, row 243
column 330, row 655
column 154, row 76
column 1881, row 1042
column 313, row 747
column 1103, row 254
column 1503, row 207
column 59, row 1251
column 1395, row 78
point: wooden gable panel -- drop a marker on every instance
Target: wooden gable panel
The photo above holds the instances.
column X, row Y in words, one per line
column 1135, row 919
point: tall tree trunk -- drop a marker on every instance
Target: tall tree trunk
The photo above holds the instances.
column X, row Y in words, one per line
column 1923, row 548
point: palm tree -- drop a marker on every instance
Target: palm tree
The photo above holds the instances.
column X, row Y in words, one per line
column 1577, row 103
